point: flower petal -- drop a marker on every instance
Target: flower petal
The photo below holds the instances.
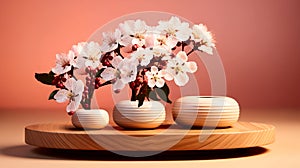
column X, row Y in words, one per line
column 128, row 70
column 95, row 64
column 71, row 57
column 206, row 49
column 71, row 106
column 159, row 82
column 81, row 62
column 70, row 84
column 151, row 83
column 77, row 100
column 77, row 49
column 61, row 96
column 116, row 61
column 181, row 79
column 118, row 85
column 78, row 87
column 154, row 69
column 182, row 55
column 125, row 40
column 192, row 66
column 74, row 104
column 161, row 73
column 171, row 42
column 58, row 69
column 88, row 63
column 168, row 76
column 139, row 42
column 108, row 74
column 148, row 74
column 63, row 63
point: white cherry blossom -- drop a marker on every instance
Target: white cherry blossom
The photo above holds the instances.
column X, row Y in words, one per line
column 150, row 36
column 134, row 32
column 166, row 42
column 111, row 40
column 160, row 56
column 77, row 49
column 178, row 67
column 128, row 70
column 72, row 92
column 162, row 52
column 201, row 35
column 89, row 55
column 64, row 63
column 122, row 72
column 174, row 29
column 142, row 56
column 155, row 77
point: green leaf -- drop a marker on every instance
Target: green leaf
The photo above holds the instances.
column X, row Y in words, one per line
column 99, row 72
column 51, row 96
column 153, row 95
column 163, row 93
column 44, row 78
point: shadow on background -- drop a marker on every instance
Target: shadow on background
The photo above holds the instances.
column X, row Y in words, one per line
column 26, row 151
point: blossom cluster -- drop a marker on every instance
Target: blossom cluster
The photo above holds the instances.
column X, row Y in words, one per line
column 143, row 56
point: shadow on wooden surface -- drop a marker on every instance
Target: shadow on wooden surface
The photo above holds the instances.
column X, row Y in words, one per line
column 26, row 151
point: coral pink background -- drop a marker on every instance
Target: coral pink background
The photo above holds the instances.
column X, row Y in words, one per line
column 257, row 40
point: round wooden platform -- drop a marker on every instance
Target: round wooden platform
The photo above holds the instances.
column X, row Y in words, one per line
column 64, row 136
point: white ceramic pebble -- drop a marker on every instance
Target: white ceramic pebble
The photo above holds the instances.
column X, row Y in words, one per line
column 150, row 115
column 208, row 111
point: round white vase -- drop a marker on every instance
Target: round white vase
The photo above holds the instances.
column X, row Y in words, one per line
column 209, row 111
column 128, row 115
column 90, row 119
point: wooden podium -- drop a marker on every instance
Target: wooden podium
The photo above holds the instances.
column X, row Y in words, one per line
column 65, row 136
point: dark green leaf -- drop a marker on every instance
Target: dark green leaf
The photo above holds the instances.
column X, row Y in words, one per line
column 166, row 89
column 163, row 93
column 133, row 95
column 153, row 95
column 99, row 72
column 51, row 73
column 147, row 92
column 141, row 99
column 52, row 95
column 44, row 78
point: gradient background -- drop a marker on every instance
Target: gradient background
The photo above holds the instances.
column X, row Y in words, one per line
column 258, row 41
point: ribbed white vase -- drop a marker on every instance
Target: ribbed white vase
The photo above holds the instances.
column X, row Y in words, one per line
column 128, row 115
column 210, row 111
column 90, row 119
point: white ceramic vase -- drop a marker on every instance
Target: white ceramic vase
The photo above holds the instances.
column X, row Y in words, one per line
column 90, row 119
column 128, row 115
column 209, row 111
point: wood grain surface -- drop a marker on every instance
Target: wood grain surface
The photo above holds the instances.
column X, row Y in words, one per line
column 166, row 137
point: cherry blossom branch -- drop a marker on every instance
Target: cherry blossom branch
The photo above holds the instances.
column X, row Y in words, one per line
column 90, row 95
column 118, row 51
column 105, row 83
column 71, row 73
column 190, row 52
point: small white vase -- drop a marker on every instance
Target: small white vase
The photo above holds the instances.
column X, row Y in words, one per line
column 128, row 115
column 90, row 119
column 210, row 111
